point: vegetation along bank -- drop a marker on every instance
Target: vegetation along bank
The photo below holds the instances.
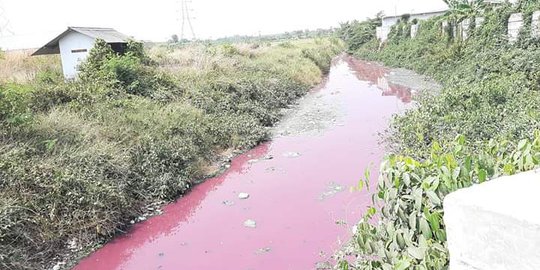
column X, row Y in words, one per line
column 81, row 159
column 482, row 125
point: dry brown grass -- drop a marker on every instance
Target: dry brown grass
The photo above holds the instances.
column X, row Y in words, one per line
column 18, row 66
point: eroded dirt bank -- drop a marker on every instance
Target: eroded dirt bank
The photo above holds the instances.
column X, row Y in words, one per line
column 285, row 204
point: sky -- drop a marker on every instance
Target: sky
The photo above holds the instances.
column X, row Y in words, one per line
column 32, row 23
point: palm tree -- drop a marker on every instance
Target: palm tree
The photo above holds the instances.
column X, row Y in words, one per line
column 462, row 9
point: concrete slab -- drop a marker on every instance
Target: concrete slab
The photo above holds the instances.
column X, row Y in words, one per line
column 495, row 225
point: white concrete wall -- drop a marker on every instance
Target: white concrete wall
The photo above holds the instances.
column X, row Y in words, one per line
column 465, row 25
column 535, row 24
column 71, row 60
column 515, row 23
column 495, row 225
column 479, row 21
column 414, row 30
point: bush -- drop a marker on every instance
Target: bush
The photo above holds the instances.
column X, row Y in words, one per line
column 409, row 231
column 14, row 105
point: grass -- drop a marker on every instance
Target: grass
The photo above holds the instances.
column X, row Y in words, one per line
column 80, row 160
column 18, row 66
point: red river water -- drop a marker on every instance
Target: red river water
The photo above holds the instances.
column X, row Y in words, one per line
column 300, row 200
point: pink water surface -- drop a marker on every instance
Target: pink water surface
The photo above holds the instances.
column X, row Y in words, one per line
column 297, row 227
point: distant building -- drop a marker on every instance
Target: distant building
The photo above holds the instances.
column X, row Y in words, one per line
column 389, row 21
column 76, row 42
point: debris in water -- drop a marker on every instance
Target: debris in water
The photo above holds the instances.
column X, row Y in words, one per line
column 331, row 190
column 291, row 154
column 263, row 250
column 323, row 266
column 243, row 196
column 341, row 222
column 228, row 203
column 250, row 223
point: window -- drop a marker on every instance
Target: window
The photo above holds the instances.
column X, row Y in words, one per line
column 79, row 51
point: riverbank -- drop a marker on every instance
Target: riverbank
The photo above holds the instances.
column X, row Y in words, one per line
column 82, row 161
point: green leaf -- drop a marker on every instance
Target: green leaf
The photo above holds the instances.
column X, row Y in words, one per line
column 412, row 220
column 482, row 175
column 371, row 212
column 433, row 198
column 402, row 265
column 416, row 253
column 522, row 144
column 424, row 228
column 508, row 169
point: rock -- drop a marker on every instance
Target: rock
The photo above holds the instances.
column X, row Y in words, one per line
column 72, row 244
column 250, row 223
column 58, row 265
column 323, row 266
column 243, row 196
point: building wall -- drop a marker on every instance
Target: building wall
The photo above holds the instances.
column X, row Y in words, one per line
column 388, row 22
column 74, row 49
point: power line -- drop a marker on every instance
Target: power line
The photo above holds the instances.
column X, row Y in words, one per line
column 186, row 19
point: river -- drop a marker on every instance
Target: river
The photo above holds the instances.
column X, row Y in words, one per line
column 300, row 207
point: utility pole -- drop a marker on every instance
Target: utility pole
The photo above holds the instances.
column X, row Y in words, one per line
column 4, row 22
column 186, row 19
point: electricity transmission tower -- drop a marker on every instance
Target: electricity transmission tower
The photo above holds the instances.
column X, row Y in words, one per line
column 186, row 19
column 4, row 22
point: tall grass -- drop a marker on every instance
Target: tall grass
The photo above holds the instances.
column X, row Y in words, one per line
column 18, row 66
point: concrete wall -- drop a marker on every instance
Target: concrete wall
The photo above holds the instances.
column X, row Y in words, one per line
column 515, row 23
column 479, row 21
column 388, row 22
column 414, row 30
column 74, row 49
column 464, row 26
column 495, row 225
column 535, row 24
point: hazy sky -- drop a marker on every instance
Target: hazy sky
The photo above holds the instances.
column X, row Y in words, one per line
column 34, row 22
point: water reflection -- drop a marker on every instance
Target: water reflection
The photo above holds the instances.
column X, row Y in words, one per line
column 377, row 75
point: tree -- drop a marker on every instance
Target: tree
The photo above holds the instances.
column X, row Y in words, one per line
column 462, row 9
column 174, row 38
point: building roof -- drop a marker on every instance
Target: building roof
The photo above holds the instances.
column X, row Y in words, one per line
column 108, row 34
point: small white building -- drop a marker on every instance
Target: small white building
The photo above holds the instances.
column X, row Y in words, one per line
column 387, row 22
column 76, row 42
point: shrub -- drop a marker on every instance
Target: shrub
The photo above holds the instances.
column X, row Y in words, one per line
column 409, row 231
column 14, row 105
column 490, row 96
